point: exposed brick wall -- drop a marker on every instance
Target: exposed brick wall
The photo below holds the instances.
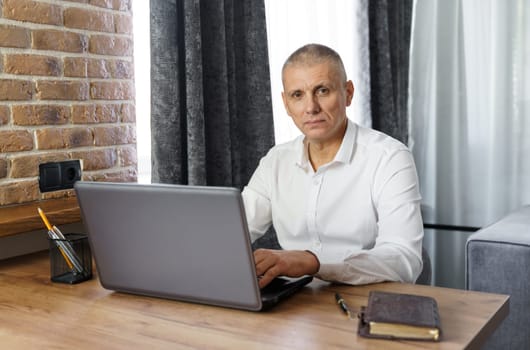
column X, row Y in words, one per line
column 66, row 92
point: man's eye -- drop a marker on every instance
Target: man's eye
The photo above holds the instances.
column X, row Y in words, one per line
column 322, row 91
column 296, row 94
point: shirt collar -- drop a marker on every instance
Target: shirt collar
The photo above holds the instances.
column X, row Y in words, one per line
column 301, row 150
column 345, row 151
column 344, row 154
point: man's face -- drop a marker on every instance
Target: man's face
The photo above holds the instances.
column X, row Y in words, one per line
column 316, row 98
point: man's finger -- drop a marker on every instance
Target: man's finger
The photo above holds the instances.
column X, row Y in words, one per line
column 267, row 277
column 263, row 260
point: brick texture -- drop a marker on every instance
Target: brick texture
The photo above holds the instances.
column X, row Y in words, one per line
column 89, row 19
column 3, row 168
column 62, row 90
column 128, row 156
column 114, row 135
column 122, row 69
column 113, row 90
column 41, row 114
column 14, row 90
column 110, row 45
column 123, row 23
column 33, row 11
column 15, row 141
column 28, row 64
column 61, row 138
column 4, row 115
column 127, row 175
column 128, row 113
column 80, row 67
column 93, row 114
column 98, row 159
column 58, row 40
column 58, row 194
column 19, row 192
column 113, row 4
column 13, row 36
column 66, row 92
column 86, row 68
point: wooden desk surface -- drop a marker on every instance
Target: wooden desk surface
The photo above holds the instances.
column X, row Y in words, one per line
column 36, row 313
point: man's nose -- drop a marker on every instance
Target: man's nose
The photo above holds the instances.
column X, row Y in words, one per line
column 312, row 105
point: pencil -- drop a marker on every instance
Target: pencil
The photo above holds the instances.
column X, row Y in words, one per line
column 45, row 219
column 51, row 233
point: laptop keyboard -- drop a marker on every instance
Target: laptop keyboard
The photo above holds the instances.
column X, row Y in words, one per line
column 274, row 285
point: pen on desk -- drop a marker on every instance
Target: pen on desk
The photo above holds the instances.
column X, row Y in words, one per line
column 342, row 304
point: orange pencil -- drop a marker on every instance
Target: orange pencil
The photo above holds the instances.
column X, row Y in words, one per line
column 45, row 219
column 51, row 233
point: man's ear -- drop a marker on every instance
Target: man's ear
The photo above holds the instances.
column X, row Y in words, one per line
column 349, row 92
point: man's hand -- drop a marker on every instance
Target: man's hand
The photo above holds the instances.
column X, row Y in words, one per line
column 291, row 263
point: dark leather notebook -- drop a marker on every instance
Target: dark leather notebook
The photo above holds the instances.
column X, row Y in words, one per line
column 400, row 316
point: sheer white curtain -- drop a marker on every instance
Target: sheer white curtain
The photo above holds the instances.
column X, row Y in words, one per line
column 339, row 24
column 469, row 108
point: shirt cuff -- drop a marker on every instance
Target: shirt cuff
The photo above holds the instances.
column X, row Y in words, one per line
column 327, row 270
column 331, row 272
column 316, row 257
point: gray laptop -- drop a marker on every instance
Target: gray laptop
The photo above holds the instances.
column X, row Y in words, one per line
column 187, row 243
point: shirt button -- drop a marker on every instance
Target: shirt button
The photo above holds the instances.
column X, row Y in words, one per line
column 317, row 245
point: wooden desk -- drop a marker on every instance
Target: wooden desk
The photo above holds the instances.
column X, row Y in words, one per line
column 35, row 313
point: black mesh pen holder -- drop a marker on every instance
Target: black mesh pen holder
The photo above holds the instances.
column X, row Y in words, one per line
column 70, row 259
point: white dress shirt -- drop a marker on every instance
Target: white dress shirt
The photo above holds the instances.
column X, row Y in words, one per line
column 359, row 214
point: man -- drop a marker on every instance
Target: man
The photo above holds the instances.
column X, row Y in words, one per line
column 343, row 199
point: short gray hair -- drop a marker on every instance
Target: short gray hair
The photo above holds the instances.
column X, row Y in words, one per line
column 314, row 54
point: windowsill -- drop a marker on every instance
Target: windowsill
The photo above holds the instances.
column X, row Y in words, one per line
column 25, row 217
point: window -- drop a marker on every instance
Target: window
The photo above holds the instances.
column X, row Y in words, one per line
column 142, row 76
column 335, row 23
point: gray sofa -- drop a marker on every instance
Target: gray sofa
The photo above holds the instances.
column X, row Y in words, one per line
column 498, row 261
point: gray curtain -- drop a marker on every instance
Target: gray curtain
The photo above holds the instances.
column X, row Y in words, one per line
column 210, row 100
column 389, row 33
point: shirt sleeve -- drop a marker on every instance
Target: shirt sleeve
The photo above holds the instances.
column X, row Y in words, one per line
column 256, row 199
column 396, row 254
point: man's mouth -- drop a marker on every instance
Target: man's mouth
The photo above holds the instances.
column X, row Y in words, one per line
column 314, row 122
